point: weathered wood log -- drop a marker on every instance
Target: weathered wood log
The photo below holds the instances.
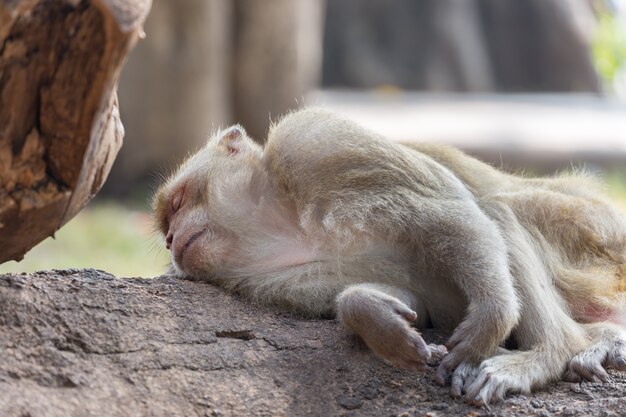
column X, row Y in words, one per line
column 83, row 343
column 59, row 123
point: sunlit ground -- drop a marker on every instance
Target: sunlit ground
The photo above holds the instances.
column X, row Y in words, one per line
column 120, row 240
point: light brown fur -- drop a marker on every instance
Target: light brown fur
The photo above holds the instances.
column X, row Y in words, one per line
column 329, row 218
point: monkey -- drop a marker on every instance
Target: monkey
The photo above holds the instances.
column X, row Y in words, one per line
column 329, row 219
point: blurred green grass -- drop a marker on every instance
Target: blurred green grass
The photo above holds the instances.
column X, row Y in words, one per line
column 106, row 235
column 119, row 239
column 616, row 187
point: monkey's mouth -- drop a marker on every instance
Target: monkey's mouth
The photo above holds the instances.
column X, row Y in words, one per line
column 181, row 255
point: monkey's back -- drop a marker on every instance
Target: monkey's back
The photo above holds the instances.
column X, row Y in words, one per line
column 579, row 236
column 316, row 154
column 579, row 233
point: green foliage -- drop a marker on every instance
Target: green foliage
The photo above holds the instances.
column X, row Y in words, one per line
column 107, row 236
column 609, row 47
column 616, row 183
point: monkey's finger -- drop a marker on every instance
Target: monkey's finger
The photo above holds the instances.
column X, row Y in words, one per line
column 448, row 363
column 462, row 377
column 476, row 386
column 408, row 314
column 457, row 337
column 437, row 351
column 571, row 376
column 601, row 373
column 617, row 356
column 468, row 382
column 456, row 386
column 589, row 371
column 441, row 376
column 491, row 390
column 452, row 343
column 579, row 368
column 421, row 350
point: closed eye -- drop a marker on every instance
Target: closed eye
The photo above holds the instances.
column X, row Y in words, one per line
column 177, row 200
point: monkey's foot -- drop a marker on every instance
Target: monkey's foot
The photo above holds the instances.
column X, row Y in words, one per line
column 494, row 378
column 591, row 364
column 464, row 375
column 456, row 364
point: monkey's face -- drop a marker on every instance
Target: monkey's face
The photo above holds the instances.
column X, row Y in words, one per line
column 198, row 209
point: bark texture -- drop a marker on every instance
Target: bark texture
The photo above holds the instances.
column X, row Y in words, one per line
column 59, row 122
column 84, row 343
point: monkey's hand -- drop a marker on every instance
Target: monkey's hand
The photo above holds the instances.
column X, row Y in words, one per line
column 384, row 323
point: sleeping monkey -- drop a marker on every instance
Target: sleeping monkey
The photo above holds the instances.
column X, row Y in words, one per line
column 330, row 219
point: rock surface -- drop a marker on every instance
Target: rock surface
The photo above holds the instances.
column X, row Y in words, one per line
column 84, row 343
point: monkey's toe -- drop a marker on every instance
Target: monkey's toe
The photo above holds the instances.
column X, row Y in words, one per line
column 459, row 354
column 462, row 378
column 497, row 377
column 446, row 367
column 591, row 363
column 585, row 368
column 617, row 355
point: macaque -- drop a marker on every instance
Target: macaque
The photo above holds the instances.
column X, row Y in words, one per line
column 330, row 219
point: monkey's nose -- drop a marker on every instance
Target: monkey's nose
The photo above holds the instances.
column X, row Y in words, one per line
column 168, row 240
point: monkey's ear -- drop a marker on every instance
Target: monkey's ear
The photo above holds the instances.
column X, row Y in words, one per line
column 233, row 139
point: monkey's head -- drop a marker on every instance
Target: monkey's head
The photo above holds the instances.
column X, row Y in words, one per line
column 200, row 209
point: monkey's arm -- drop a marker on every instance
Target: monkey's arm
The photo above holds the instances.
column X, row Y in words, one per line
column 465, row 247
column 381, row 314
column 457, row 248
column 352, row 186
column 378, row 313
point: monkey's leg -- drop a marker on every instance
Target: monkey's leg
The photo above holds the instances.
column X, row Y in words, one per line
column 607, row 351
column 547, row 336
column 554, row 341
column 382, row 315
column 471, row 252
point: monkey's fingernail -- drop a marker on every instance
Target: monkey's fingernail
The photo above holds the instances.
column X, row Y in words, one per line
column 440, row 380
column 602, row 374
column 409, row 315
column 455, row 391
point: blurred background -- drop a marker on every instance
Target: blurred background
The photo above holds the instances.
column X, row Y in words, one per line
column 537, row 86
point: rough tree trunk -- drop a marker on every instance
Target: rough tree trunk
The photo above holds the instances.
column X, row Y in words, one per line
column 59, row 122
column 83, row 343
